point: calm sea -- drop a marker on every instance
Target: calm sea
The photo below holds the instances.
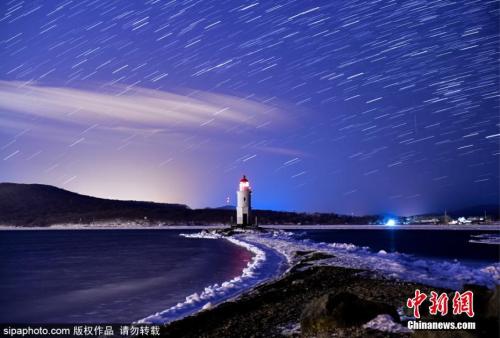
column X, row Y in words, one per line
column 113, row 276
column 440, row 244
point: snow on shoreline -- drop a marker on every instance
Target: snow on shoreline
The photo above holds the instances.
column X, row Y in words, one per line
column 265, row 265
column 434, row 272
column 275, row 251
column 468, row 227
column 486, row 239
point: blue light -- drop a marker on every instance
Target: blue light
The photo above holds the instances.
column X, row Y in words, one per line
column 390, row 222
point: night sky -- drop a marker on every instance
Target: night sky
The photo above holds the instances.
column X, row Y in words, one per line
column 346, row 106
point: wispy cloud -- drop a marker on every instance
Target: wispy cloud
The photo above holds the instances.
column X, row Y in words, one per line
column 135, row 107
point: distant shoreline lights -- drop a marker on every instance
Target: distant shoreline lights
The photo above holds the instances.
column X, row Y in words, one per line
column 391, row 222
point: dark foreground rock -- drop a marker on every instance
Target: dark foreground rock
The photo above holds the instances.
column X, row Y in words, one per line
column 341, row 310
column 276, row 309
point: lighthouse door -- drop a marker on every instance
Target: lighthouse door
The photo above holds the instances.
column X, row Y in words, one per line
column 245, row 219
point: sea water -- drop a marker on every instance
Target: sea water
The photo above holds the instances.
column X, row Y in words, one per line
column 120, row 276
column 106, row 276
column 453, row 245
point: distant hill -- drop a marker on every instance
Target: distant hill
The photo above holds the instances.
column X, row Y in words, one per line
column 227, row 207
column 44, row 205
column 40, row 205
column 491, row 210
column 479, row 210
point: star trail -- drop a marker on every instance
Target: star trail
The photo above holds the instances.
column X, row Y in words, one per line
column 346, row 106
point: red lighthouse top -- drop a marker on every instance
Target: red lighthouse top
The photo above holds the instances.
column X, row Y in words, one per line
column 244, row 184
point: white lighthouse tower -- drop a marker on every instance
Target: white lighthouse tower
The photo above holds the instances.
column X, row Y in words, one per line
column 244, row 206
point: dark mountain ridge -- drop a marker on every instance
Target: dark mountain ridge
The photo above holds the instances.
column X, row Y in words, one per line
column 38, row 204
column 43, row 205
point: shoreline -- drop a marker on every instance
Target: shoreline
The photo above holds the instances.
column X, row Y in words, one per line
column 135, row 226
column 480, row 227
column 98, row 227
column 266, row 265
column 282, row 308
column 231, row 317
column 334, row 257
column 297, row 255
column 412, row 268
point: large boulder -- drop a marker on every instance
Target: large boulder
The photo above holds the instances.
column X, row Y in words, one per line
column 341, row 310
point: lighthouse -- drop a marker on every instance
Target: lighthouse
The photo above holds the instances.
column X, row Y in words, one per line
column 244, row 206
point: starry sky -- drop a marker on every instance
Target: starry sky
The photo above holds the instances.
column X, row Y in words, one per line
column 345, row 106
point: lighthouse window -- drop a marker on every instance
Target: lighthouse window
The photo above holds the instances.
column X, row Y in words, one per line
column 244, row 199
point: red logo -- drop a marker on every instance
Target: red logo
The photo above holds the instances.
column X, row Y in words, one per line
column 416, row 302
column 439, row 304
column 462, row 303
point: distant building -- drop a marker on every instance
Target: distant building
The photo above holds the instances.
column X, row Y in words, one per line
column 244, row 206
column 425, row 219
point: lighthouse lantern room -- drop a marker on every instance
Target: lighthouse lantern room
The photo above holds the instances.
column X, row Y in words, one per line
column 244, row 206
